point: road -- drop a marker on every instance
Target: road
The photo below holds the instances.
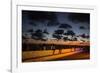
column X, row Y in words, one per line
column 75, row 55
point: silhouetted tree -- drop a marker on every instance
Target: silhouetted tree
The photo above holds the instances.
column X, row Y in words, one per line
column 65, row 33
column 58, row 34
column 83, row 36
column 70, row 32
column 87, row 36
column 38, row 34
column 65, row 38
column 58, row 37
column 74, row 39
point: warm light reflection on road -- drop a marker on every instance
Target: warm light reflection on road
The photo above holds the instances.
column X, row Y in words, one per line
column 43, row 55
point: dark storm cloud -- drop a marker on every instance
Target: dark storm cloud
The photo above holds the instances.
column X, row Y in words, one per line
column 79, row 17
column 50, row 22
column 39, row 15
column 53, row 23
column 82, row 27
column 65, row 26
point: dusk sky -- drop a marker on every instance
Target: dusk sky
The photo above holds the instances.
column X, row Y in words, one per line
column 51, row 21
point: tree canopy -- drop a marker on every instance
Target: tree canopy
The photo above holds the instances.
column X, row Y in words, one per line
column 70, row 32
column 58, row 34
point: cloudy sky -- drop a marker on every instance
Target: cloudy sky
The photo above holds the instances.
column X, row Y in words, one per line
column 79, row 23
